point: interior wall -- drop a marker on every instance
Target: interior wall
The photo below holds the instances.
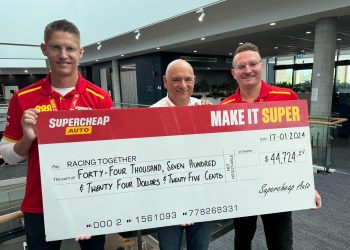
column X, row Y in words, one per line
column 19, row 80
column 214, row 77
column 148, row 75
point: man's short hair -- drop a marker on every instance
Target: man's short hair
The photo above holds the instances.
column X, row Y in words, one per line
column 246, row 47
column 60, row 25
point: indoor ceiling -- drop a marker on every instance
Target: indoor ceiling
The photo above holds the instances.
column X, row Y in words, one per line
column 289, row 40
column 226, row 25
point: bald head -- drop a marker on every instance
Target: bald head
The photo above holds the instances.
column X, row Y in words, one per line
column 179, row 81
column 178, row 63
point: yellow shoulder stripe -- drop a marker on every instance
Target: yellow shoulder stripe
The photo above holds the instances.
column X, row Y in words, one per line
column 228, row 101
column 29, row 90
column 94, row 93
column 280, row 92
column 8, row 139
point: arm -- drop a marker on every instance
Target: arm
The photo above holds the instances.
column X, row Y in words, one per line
column 17, row 131
column 8, row 154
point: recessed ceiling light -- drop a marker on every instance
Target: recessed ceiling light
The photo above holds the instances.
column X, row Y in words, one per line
column 230, row 53
column 96, row 60
column 272, row 24
column 195, row 51
column 25, row 71
column 275, row 47
column 338, row 39
column 208, row 68
column 157, row 48
column 121, row 55
column 240, row 43
column 308, row 32
column 202, row 38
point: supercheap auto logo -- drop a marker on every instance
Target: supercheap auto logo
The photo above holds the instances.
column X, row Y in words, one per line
column 78, row 126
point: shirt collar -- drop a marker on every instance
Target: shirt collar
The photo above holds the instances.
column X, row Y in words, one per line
column 265, row 89
column 264, row 92
column 171, row 104
column 46, row 89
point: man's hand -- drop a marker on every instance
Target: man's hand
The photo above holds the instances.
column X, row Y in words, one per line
column 28, row 122
column 82, row 237
column 186, row 225
column 318, row 200
column 204, row 102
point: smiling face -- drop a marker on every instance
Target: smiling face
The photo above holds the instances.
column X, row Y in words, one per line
column 179, row 82
column 247, row 69
column 63, row 52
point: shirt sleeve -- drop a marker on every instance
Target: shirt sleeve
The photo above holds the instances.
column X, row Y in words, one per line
column 8, row 153
column 13, row 131
column 108, row 103
column 293, row 95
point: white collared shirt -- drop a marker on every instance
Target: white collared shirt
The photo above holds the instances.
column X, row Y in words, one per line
column 166, row 102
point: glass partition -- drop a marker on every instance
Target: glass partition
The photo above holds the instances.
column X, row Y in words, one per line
column 285, row 60
column 343, row 79
column 323, row 134
column 284, row 76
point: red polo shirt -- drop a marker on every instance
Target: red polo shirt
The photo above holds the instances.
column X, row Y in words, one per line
column 268, row 93
column 40, row 95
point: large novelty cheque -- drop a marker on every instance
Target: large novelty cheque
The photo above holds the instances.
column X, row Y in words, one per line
column 107, row 171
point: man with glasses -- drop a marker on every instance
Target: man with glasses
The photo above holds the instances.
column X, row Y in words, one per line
column 62, row 89
column 247, row 69
column 179, row 80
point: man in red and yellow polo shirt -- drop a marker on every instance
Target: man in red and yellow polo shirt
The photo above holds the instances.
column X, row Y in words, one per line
column 247, row 69
column 63, row 89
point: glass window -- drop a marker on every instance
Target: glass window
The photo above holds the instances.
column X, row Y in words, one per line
column 285, row 60
column 344, row 55
column 302, row 80
column 302, row 76
column 284, row 76
column 271, row 60
column 343, row 78
column 305, row 59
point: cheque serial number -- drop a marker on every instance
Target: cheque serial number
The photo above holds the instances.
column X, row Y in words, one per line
column 155, row 217
column 105, row 223
column 212, row 210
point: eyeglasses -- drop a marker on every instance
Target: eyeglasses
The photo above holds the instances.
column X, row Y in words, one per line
column 242, row 67
column 180, row 79
column 57, row 49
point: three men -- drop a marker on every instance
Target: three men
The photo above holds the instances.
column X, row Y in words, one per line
column 62, row 89
column 65, row 89
column 247, row 69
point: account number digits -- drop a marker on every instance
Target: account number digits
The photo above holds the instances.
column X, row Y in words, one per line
column 212, row 210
